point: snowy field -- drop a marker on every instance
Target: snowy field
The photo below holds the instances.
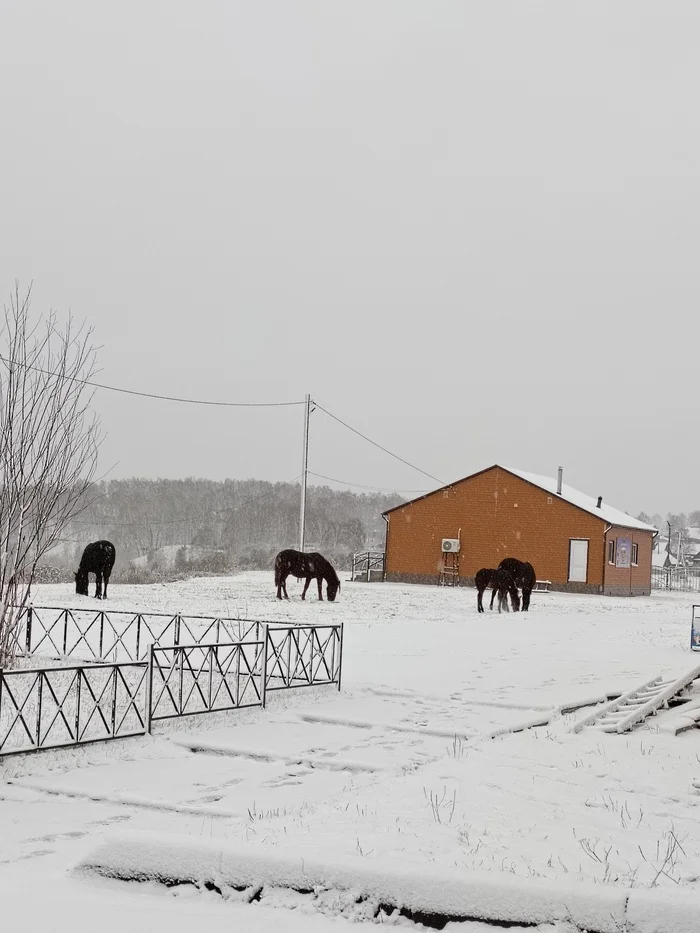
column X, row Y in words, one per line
column 420, row 764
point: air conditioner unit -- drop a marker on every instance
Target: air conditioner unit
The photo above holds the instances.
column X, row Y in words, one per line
column 450, row 545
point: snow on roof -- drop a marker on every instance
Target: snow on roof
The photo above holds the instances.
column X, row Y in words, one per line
column 587, row 503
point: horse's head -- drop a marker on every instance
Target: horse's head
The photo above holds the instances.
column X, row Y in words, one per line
column 332, row 590
column 81, row 583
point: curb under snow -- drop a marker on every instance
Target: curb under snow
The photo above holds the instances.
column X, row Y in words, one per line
column 426, row 894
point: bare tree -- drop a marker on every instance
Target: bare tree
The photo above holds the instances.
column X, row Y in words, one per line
column 49, row 441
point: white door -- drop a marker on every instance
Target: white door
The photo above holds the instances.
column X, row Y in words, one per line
column 578, row 561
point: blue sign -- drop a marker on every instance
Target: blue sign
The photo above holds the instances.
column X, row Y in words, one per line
column 623, row 557
column 695, row 629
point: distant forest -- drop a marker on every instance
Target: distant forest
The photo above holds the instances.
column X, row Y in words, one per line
column 159, row 526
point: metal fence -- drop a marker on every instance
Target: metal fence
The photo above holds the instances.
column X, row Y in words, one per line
column 683, row 579
column 189, row 680
column 303, row 656
column 58, row 707
column 114, row 635
column 368, row 565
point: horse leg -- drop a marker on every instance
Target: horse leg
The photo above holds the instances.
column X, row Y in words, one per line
column 98, row 585
column 526, row 599
column 319, row 580
column 480, row 600
column 515, row 599
column 106, row 577
column 493, row 596
column 284, row 588
column 306, row 586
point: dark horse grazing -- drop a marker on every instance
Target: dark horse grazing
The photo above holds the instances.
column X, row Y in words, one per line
column 502, row 583
column 312, row 566
column 98, row 558
column 523, row 574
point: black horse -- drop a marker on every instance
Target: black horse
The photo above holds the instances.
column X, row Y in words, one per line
column 98, row 558
column 311, row 566
column 523, row 574
column 502, row 583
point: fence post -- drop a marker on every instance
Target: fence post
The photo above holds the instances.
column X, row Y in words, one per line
column 38, row 710
column 138, row 636
column 176, row 636
column 149, row 690
column 340, row 655
column 263, row 691
column 114, row 700
column 65, row 633
column 30, row 612
column 77, row 706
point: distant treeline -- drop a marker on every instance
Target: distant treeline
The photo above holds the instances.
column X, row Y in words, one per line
column 165, row 524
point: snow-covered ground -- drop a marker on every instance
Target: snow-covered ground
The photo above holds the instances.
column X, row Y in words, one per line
column 414, row 765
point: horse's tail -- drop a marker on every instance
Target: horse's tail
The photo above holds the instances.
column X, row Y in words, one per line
column 278, row 571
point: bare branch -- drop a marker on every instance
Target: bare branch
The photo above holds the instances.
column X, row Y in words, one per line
column 49, row 441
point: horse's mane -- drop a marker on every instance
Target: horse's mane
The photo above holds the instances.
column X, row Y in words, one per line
column 327, row 569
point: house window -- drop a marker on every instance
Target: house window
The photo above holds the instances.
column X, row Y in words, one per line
column 611, row 551
column 635, row 554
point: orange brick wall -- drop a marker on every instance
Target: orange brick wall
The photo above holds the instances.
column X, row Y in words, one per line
column 500, row 515
column 629, row 581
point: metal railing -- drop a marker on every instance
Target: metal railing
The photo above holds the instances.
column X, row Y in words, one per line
column 683, row 579
column 189, row 680
column 368, row 565
column 303, row 656
column 57, row 707
column 115, row 635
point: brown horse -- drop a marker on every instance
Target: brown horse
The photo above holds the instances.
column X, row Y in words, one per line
column 311, row 566
column 524, row 577
column 98, row 558
column 502, row 583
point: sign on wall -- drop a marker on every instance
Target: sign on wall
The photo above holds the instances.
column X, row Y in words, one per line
column 695, row 629
column 623, row 558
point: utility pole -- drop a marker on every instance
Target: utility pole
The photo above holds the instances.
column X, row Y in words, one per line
column 304, row 472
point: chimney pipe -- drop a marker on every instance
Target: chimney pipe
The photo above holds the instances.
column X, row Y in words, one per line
column 600, row 501
column 560, row 474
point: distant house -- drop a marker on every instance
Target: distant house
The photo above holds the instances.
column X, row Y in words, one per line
column 573, row 540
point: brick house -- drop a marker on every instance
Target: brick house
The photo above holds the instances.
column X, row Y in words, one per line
column 578, row 543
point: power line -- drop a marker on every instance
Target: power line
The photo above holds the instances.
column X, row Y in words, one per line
column 361, row 486
column 163, row 398
column 375, row 444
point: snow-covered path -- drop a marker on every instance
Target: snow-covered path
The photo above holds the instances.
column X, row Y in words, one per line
column 401, row 765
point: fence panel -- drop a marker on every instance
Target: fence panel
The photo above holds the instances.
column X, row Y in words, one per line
column 62, row 706
column 303, row 656
column 190, row 679
column 681, row 579
column 118, row 636
column 368, row 565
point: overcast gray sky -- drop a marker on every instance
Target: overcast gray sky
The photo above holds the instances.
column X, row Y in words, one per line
column 472, row 230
